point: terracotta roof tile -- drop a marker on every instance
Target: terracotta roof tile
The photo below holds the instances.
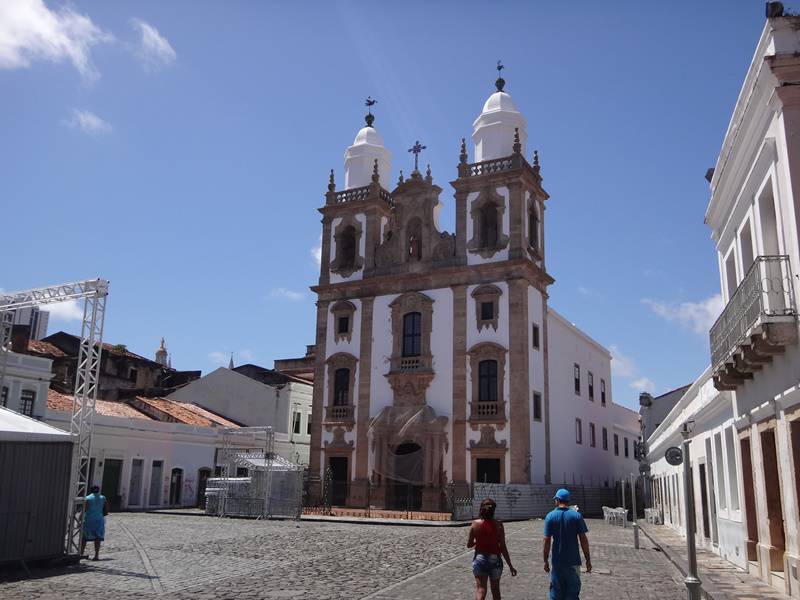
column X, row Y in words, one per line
column 46, row 348
column 183, row 412
column 106, row 408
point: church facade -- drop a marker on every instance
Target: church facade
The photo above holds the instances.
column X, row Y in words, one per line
column 438, row 359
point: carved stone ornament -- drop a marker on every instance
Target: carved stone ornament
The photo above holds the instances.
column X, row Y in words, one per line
column 338, row 442
column 339, row 310
column 487, row 293
column 410, row 376
column 336, row 414
column 488, row 440
column 487, row 197
column 343, row 265
column 534, row 228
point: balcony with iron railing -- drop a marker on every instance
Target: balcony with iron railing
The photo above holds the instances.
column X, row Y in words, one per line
column 410, row 364
column 758, row 322
column 339, row 414
column 488, row 412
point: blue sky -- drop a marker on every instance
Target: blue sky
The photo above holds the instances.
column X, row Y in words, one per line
column 181, row 149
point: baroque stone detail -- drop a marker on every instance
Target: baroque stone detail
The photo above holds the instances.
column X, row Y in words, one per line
column 534, row 227
column 488, row 440
column 340, row 310
column 342, row 264
column 487, row 293
column 410, row 376
column 487, row 198
column 487, row 412
column 341, row 360
column 339, row 443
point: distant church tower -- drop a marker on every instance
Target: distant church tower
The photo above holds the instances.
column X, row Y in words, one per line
column 162, row 357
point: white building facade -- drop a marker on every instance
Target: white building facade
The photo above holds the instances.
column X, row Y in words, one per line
column 438, row 359
column 25, row 384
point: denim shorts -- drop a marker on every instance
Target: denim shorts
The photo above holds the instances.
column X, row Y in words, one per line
column 487, row 564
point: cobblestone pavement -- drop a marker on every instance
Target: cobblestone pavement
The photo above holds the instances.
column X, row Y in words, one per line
column 182, row 557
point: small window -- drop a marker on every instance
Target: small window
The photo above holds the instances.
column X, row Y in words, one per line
column 341, row 387
column 577, row 379
column 537, row 406
column 591, row 386
column 487, row 311
column 4, row 396
column 603, row 392
column 592, row 439
column 605, row 438
column 489, row 223
column 132, row 375
column 348, row 247
column 626, row 447
column 343, row 325
column 241, row 471
column 26, row 402
column 296, row 423
column 616, row 444
column 578, row 431
column 308, row 424
column 487, row 381
column 535, row 336
column 533, row 228
column 412, row 334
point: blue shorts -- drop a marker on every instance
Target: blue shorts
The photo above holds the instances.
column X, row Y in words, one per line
column 490, row 565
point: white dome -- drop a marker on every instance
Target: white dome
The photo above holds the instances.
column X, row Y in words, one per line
column 499, row 101
column 368, row 135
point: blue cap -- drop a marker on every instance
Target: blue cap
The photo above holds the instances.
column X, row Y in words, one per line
column 562, row 495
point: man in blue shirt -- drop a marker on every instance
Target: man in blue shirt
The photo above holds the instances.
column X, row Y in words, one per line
column 563, row 528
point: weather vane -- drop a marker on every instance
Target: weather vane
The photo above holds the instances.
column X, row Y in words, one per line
column 500, row 81
column 369, row 103
column 416, row 149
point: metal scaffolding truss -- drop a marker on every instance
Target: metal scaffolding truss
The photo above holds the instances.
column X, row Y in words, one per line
column 93, row 293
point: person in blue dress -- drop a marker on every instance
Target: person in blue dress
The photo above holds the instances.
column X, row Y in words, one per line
column 94, row 520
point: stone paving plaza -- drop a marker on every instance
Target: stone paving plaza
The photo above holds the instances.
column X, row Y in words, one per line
column 179, row 556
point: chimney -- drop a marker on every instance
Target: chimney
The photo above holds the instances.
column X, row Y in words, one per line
column 20, row 335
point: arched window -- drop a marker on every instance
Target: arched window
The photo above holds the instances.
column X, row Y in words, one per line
column 488, row 231
column 533, row 228
column 341, row 387
column 487, row 381
column 412, row 334
column 348, row 246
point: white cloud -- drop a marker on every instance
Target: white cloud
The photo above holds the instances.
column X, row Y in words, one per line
column 621, row 364
column 643, row 384
column 246, row 355
column 88, row 123
column 68, row 310
column 287, row 294
column 153, row 50
column 698, row 316
column 316, row 252
column 219, row 358
column 223, row 358
column 29, row 31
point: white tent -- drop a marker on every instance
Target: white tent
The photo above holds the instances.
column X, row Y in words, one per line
column 15, row 427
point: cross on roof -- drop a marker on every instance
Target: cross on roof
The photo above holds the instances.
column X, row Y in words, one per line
column 416, row 149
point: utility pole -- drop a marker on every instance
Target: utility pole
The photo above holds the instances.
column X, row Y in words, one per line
column 624, row 510
column 691, row 580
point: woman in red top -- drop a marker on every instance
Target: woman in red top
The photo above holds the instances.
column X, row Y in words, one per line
column 488, row 538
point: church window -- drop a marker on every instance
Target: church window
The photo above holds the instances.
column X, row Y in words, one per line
column 489, row 224
column 578, row 431
column 348, row 251
column 412, row 334
column 341, row 387
column 487, row 311
column 343, row 326
column 577, row 379
column 616, row 444
column 487, row 381
column 603, row 392
column 535, row 336
column 605, row 438
column 533, row 228
column 26, row 402
column 591, row 386
column 592, row 439
column 537, row 406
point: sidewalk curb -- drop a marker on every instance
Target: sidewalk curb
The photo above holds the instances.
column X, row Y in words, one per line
column 708, row 590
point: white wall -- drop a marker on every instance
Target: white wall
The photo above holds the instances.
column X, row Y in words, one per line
column 27, row 373
column 536, row 379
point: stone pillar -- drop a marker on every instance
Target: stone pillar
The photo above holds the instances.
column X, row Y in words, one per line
column 458, row 446
column 461, row 226
column 363, row 408
column 516, row 202
column 318, row 400
column 325, row 252
column 519, row 402
column 371, row 239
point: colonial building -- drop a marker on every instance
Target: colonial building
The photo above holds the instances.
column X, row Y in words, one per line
column 437, row 356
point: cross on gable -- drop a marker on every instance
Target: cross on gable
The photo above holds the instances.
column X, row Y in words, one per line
column 416, row 149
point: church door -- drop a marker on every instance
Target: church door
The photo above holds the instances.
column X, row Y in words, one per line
column 487, row 470
column 405, row 491
column 339, row 476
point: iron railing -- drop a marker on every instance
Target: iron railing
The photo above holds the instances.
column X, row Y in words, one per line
column 765, row 291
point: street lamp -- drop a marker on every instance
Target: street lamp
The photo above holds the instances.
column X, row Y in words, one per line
column 691, row 581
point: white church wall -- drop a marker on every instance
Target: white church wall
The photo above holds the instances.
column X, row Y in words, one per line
column 440, row 392
column 380, row 392
column 536, row 384
column 474, row 259
column 362, row 220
